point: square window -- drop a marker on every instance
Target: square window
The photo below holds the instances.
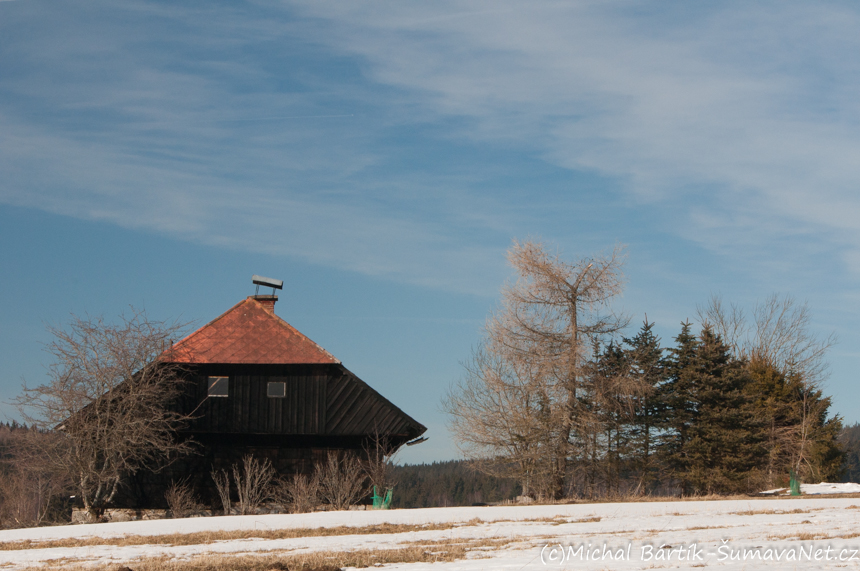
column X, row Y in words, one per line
column 276, row 390
column 219, row 386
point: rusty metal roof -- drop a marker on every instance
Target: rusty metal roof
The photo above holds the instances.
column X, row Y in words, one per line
column 248, row 333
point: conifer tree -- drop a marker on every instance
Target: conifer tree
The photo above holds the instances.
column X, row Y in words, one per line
column 800, row 435
column 646, row 369
column 725, row 447
column 616, row 409
column 676, row 395
column 607, row 408
column 787, row 360
column 773, row 398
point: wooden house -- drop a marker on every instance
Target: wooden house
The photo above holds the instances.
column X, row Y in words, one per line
column 257, row 385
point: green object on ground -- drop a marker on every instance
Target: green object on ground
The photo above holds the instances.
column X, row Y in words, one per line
column 382, row 502
column 794, row 483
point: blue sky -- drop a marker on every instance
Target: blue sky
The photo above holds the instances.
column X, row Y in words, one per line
column 381, row 156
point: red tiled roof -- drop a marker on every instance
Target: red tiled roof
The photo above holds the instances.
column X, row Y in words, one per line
column 248, row 333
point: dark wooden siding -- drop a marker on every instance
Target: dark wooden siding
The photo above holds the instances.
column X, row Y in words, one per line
column 320, row 400
column 249, row 410
column 355, row 408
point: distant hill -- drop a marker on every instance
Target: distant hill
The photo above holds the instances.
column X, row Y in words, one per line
column 443, row 484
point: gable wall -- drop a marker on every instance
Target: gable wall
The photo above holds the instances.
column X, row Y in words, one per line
column 320, row 400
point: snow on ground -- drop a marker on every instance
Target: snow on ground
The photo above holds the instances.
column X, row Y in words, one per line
column 803, row 533
column 819, row 489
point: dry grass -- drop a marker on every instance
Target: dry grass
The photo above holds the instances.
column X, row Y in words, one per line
column 413, row 552
column 772, row 512
column 592, row 519
column 204, row 537
column 562, row 520
column 811, row 536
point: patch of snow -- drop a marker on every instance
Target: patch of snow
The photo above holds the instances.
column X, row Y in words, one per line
column 818, row 489
column 665, row 531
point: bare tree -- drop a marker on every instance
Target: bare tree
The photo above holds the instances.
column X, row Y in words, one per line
column 505, row 414
column 109, row 394
column 341, row 480
column 780, row 334
column 542, row 333
column 253, row 483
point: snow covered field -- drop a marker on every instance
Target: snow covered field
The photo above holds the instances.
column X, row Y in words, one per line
column 797, row 533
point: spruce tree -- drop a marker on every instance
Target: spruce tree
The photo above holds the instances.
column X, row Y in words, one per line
column 647, row 370
column 799, row 434
column 676, row 396
column 725, row 448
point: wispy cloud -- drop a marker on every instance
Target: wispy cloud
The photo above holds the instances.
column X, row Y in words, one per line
column 748, row 105
column 378, row 136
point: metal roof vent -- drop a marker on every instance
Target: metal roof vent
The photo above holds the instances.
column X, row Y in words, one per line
column 268, row 282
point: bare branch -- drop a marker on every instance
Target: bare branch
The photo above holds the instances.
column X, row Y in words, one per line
column 518, row 405
column 109, row 395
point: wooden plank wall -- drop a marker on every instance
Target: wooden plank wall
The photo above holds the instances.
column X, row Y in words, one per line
column 317, row 402
column 248, row 410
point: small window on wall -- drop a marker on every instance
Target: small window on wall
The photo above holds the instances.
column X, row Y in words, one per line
column 219, row 386
column 276, row 390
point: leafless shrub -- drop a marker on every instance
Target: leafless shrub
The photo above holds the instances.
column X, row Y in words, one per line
column 32, row 491
column 300, row 493
column 253, row 483
column 181, row 500
column 342, row 480
column 222, row 484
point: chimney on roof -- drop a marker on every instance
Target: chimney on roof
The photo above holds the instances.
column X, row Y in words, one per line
column 267, row 301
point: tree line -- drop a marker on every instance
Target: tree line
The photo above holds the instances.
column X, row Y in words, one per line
column 558, row 398
column 445, row 484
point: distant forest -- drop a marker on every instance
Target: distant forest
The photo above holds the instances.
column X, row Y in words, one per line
column 454, row 483
column 849, row 438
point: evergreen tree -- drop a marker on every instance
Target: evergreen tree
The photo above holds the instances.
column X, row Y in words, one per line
column 647, row 371
column 676, row 395
column 606, row 410
column 725, row 447
column 799, row 434
column 616, row 411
